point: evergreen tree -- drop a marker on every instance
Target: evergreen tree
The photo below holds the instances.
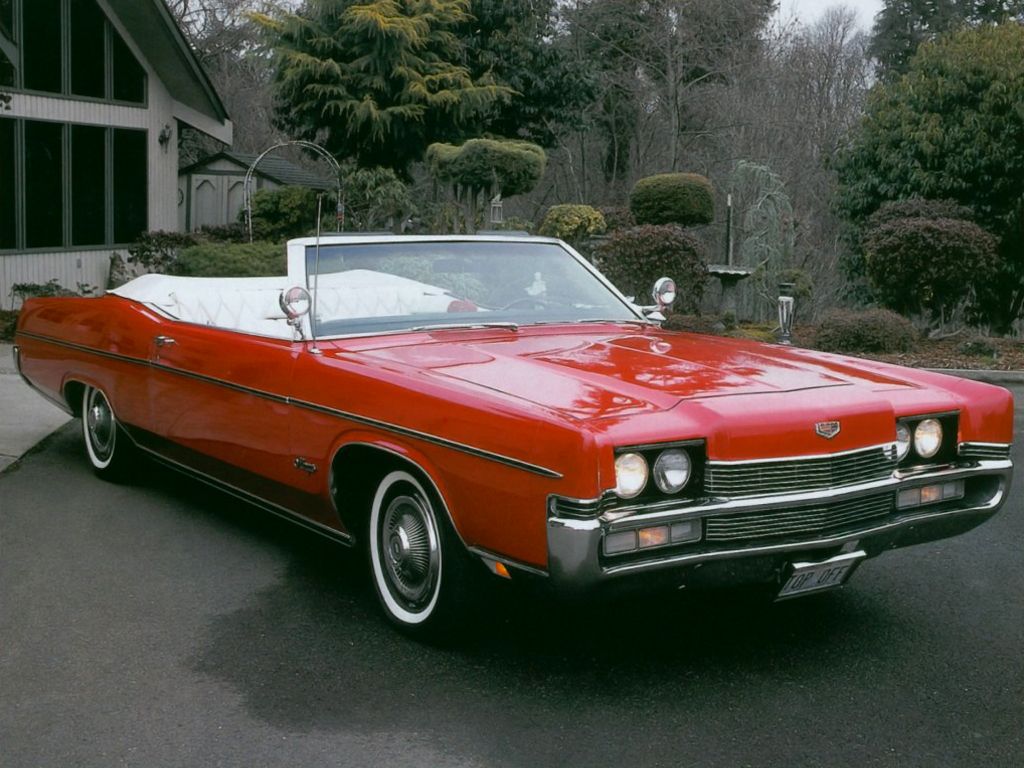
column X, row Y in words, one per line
column 377, row 81
column 902, row 25
column 516, row 43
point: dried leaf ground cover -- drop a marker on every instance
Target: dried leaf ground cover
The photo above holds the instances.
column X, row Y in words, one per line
column 969, row 352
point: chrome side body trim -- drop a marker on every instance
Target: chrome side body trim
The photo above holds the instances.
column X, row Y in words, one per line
column 428, row 438
column 283, row 399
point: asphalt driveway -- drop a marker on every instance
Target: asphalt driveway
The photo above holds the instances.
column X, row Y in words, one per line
column 162, row 624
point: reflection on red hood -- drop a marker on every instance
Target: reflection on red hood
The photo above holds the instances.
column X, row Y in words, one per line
column 612, row 370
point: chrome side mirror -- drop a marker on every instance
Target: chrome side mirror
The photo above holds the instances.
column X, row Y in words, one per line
column 664, row 294
column 295, row 302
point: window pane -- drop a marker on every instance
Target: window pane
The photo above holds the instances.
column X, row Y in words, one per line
column 6, row 70
column 88, row 183
column 7, row 19
column 41, row 45
column 131, row 214
column 129, row 76
column 87, row 70
column 44, row 199
column 7, row 209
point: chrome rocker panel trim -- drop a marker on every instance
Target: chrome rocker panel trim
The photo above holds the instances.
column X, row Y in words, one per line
column 574, row 545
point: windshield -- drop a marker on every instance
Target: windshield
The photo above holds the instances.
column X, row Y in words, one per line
column 375, row 287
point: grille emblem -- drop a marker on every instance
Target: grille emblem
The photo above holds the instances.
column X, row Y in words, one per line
column 827, row 429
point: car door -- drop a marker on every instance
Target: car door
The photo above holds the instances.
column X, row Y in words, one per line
column 219, row 405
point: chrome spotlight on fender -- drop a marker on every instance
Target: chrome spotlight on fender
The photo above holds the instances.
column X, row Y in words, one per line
column 664, row 295
column 295, row 302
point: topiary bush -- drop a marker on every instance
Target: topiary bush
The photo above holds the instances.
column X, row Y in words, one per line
column 481, row 168
column 572, row 223
column 617, row 217
column 232, row 260
column 635, row 258
column 686, row 199
column 918, row 208
column 930, row 266
column 871, row 330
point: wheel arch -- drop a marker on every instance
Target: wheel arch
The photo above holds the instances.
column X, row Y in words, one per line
column 72, row 391
column 361, row 461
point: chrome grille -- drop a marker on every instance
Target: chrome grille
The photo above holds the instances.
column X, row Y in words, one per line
column 763, row 478
column 821, row 520
column 984, row 452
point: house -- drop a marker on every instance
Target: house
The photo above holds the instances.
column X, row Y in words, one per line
column 96, row 91
column 211, row 192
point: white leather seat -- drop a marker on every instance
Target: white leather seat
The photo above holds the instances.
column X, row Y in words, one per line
column 247, row 304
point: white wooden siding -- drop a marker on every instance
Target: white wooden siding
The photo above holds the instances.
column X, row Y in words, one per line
column 91, row 267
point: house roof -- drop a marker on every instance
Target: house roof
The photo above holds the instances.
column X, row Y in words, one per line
column 151, row 25
column 276, row 169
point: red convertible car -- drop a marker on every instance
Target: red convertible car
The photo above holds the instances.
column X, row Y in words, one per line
column 465, row 405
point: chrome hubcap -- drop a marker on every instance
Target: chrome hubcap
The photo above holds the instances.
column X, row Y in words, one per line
column 410, row 555
column 100, row 422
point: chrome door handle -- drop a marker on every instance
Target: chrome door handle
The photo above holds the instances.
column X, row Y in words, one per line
column 164, row 341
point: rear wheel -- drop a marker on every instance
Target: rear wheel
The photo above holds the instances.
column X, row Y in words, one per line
column 110, row 453
column 419, row 567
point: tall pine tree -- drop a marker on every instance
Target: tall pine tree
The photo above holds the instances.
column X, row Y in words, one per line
column 378, row 81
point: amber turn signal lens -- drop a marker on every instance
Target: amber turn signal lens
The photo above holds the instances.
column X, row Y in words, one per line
column 653, row 537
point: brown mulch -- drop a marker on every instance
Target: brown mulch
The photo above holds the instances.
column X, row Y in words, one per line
column 989, row 353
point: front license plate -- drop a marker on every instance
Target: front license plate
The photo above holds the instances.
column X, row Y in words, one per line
column 817, row 577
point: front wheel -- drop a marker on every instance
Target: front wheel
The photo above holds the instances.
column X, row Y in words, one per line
column 110, row 453
column 418, row 565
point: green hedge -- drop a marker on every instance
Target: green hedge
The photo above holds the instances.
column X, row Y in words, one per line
column 930, row 266
column 686, row 199
column 635, row 258
column 232, row 260
column 871, row 330
column 572, row 223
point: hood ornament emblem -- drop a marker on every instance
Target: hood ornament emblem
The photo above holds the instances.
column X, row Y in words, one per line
column 827, row 429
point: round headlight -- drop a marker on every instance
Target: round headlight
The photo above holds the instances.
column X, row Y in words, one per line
column 630, row 475
column 672, row 471
column 902, row 441
column 928, row 438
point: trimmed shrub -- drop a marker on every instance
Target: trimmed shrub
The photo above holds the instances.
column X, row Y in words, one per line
column 572, row 223
column 617, row 217
column 871, row 330
column 280, row 214
column 918, row 208
column 686, row 199
column 232, row 260
column 707, row 324
column 510, row 165
column 930, row 266
column 635, row 258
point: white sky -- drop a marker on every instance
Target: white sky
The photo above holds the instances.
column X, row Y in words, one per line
column 809, row 10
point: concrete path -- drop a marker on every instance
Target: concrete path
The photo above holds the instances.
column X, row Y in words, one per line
column 25, row 416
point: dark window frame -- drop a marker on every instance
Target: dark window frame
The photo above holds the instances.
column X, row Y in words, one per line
column 65, row 60
column 67, row 190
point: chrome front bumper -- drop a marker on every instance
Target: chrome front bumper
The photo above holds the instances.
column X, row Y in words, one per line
column 576, row 562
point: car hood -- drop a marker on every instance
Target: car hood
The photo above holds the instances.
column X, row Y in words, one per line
column 611, row 371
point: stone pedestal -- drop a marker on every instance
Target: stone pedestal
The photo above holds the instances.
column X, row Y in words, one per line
column 729, row 276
